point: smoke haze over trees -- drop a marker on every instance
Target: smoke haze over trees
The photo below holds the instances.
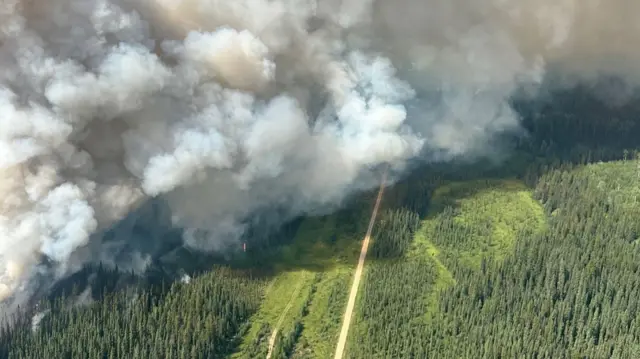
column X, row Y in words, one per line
column 220, row 109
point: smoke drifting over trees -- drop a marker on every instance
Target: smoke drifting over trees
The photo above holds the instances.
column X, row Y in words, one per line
column 221, row 108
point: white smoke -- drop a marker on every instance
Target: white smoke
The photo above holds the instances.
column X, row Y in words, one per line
column 223, row 107
column 36, row 319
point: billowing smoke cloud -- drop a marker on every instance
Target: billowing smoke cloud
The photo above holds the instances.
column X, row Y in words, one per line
column 222, row 107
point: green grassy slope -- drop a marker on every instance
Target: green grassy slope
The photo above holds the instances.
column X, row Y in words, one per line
column 500, row 270
column 478, row 219
column 314, row 271
column 468, row 222
column 489, row 213
column 316, row 268
column 494, row 269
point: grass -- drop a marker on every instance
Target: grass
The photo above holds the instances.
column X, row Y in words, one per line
column 489, row 213
column 320, row 244
column 316, row 270
column 294, row 286
column 322, row 324
column 424, row 248
column 317, row 267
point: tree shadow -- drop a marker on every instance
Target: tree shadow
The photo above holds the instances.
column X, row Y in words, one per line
column 568, row 128
column 554, row 139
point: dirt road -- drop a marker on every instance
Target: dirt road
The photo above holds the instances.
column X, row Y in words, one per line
column 274, row 335
column 346, row 322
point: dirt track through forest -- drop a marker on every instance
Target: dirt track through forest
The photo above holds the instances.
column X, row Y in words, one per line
column 274, row 335
column 342, row 340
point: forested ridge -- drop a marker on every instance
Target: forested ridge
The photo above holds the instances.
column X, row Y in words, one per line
column 537, row 256
column 570, row 291
column 198, row 319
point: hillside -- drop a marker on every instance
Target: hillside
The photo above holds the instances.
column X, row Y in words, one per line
column 492, row 273
column 313, row 179
column 533, row 256
column 494, row 267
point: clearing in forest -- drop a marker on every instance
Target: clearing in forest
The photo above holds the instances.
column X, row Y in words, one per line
column 342, row 339
column 471, row 220
column 320, row 261
column 467, row 222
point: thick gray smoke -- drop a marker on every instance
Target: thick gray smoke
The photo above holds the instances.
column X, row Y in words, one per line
column 223, row 107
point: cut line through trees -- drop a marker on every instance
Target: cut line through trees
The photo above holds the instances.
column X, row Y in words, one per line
column 342, row 340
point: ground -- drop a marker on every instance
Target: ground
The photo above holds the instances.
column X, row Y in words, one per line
column 498, row 209
column 470, row 258
column 315, row 270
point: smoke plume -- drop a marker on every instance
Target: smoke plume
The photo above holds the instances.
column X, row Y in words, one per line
column 223, row 107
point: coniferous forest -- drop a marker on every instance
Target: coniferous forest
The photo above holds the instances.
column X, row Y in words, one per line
column 537, row 256
column 198, row 319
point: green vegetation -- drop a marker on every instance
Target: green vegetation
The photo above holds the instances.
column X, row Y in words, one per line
column 195, row 320
column 537, row 256
column 306, row 298
column 495, row 280
column 472, row 222
column 477, row 220
column 322, row 322
column 282, row 307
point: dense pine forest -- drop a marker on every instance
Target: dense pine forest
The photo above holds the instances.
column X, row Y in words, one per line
column 191, row 319
column 570, row 290
column 537, row 256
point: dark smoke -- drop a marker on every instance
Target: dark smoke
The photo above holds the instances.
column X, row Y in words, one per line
column 209, row 111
